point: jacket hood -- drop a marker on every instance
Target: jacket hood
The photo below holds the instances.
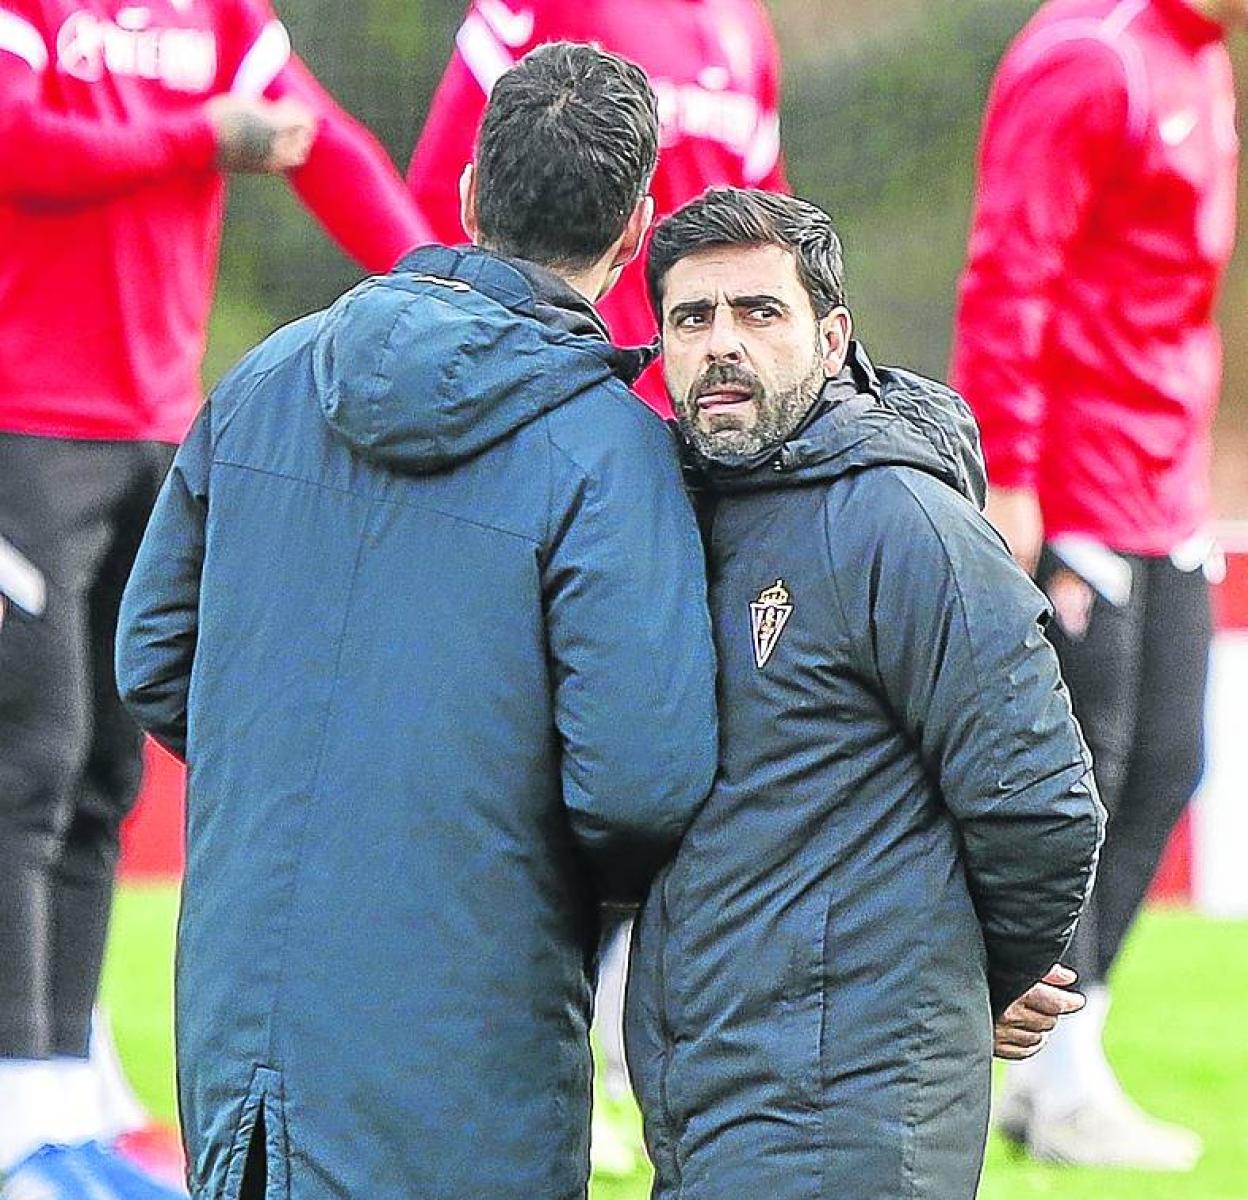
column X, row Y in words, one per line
column 428, row 366
column 868, row 417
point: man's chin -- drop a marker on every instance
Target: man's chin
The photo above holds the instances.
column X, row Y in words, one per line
column 727, row 446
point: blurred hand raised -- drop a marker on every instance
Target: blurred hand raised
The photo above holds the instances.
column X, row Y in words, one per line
column 261, row 137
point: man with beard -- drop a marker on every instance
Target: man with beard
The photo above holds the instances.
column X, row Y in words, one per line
column 904, row 825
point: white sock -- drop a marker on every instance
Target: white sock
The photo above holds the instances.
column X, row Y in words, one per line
column 1072, row 1069
column 120, row 1110
column 609, row 1014
column 31, row 1112
column 79, row 1100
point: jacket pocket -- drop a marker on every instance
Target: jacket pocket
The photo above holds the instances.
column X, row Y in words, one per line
column 799, row 1047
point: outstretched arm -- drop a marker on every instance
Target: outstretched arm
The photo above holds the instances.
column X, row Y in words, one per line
column 50, row 158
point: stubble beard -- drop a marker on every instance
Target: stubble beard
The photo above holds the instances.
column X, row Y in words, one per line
column 778, row 417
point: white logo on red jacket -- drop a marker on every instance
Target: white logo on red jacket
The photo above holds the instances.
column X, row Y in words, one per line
column 695, row 110
column 512, row 28
column 183, row 60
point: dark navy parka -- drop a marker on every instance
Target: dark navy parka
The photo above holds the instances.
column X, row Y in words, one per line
column 423, row 605
column 901, row 835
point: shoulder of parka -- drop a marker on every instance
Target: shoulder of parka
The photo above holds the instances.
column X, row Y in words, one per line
column 249, row 375
column 608, row 433
column 897, row 526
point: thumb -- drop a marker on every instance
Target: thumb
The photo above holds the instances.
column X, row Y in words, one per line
column 1061, row 976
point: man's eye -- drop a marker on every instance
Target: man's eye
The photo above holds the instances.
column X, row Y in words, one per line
column 691, row 321
column 764, row 312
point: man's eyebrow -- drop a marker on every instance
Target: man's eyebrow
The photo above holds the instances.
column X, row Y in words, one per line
column 755, row 301
column 685, row 307
column 703, row 304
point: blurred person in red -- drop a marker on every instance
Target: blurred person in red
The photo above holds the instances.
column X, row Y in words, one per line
column 714, row 65
column 1085, row 341
column 118, row 125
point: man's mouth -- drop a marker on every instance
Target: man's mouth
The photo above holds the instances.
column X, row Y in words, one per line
column 723, row 396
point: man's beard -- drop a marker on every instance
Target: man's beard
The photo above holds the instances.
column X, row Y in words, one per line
column 778, row 415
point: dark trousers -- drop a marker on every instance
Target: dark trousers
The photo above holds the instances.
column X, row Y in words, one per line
column 70, row 756
column 1137, row 677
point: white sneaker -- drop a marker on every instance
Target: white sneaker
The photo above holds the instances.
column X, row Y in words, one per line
column 1113, row 1133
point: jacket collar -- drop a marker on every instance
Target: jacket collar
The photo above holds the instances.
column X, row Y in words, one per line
column 530, row 290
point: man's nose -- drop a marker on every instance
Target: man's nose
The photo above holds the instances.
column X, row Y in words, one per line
column 723, row 343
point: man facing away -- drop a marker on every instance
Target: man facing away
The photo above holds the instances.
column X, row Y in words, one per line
column 1087, row 346
column 422, row 604
column 903, row 828
column 119, row 124
column 715, row 66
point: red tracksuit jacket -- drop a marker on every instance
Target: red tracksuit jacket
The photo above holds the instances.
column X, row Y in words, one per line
column 714, row 65
column 1104, row 218
column 110, row 206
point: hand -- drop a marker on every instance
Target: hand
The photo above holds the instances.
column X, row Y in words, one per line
column 1016, row 514
column 260, row 137
column 1024, row 1027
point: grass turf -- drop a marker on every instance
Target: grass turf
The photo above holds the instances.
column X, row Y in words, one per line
column 1176, row 1035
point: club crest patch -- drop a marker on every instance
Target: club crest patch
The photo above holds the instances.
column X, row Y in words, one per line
column 769, row 614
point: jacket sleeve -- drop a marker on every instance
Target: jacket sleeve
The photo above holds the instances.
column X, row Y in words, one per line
column 957, row 647
column 631, row 658
column 159, row 622
column 1058, row 123
column 50, row 159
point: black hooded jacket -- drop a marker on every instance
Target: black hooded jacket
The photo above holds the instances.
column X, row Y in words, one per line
column 902, row 832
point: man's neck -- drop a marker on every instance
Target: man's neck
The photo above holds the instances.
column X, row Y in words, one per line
column 591, row 284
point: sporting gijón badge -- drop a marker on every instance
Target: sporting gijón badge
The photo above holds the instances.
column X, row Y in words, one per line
column 769, row 614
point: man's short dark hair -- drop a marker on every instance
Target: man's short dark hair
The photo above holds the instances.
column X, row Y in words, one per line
column 566, row 150
column 748, row 217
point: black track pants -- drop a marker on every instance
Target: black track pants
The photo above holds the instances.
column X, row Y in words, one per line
column 70, row 757
column 1137, row 676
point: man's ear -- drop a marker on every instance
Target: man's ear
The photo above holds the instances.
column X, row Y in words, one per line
column 835, row 332
column 634, row 236
column 468, row 202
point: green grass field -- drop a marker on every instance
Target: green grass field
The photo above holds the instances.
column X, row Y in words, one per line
column 1178, row 1035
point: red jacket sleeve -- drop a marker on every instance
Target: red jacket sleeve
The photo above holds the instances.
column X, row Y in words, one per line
column 1057, row 123
column 349, row 183
column 47, row 158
